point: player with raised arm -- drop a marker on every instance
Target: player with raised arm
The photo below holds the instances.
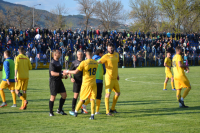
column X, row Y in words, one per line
column 89, row 87
column 181, row 81
column 111, row 78
column 168, row 64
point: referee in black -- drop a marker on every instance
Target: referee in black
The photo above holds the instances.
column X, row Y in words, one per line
column 77, row 80
column 56, row 84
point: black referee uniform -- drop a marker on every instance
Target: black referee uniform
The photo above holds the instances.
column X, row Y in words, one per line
column 56, row 85
column 78, row 81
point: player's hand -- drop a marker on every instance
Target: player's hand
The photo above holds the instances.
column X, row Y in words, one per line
column 72, row 80
column 117, row 77
column 8, row 82
column 15, row 79
column 66, row 77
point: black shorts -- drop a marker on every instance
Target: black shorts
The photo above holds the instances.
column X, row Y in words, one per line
column 76, row 88
column 56, row 86
column 99, row 90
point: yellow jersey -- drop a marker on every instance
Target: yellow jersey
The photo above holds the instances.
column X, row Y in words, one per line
column 22, row 65
column 178, row 71
column 111, row 64
column 89, row 68
column 168, row 61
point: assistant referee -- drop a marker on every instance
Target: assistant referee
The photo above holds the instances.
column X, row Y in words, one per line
column 56, row 84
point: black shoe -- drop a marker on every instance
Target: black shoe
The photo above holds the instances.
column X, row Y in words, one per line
column 113, row 111
column 92, row 117
column 183, row 105
column 51, row 114
column 75, row 114
column 61, row 112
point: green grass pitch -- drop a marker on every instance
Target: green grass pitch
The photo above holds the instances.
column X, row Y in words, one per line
column 143, row 106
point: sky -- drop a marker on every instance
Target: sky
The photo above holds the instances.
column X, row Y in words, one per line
column 71, row 5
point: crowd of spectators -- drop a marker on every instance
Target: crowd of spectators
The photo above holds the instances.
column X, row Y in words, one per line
column 138, row 48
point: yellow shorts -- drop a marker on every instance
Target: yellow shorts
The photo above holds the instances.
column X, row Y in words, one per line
column 112, row 84
column 183, row 82
column 168, row 75
column 4, row 85
column 88, row 91
column 21, row 84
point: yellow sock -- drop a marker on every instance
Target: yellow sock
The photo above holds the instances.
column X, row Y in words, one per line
column 78, row 106
column 114, row 102
column 92, row 107
column 3, row 96
column 14, row 97
column 165, row 85
column 107, row 105
column 24, row 95
column 172, row 84
column 98, row 102
column 178, row 94
column 186, row 92
column 87, row 102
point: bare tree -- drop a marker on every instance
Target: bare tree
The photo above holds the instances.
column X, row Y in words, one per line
column 20, row 16
column 108, row 11
column 144, row 13
column 8, row 16
column 87, row 7
column 2, row 19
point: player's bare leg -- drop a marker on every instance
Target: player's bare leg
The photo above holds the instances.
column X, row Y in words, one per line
column 115, row 98
column 165, row 83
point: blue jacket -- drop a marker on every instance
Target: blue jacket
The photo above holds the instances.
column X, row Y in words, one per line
column 96, row 57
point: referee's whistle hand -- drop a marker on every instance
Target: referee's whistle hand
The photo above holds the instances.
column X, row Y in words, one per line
column 72, row 80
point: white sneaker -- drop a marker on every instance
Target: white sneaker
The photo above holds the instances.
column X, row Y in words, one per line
column 97, row 113
column 14, row 105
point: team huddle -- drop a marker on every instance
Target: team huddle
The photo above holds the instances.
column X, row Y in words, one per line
column 87, row 79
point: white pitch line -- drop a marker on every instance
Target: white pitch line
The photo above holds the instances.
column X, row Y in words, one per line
column 128, row 79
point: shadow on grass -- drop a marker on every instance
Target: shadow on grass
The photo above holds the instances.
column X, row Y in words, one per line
column 144, row 102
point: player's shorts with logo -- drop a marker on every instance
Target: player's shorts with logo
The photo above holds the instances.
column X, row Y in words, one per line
column 168, row 74
column 56, row 86
column 112, row 85
column 182, row 82
column 4, row 85
column 21, row 84
column 88, row 91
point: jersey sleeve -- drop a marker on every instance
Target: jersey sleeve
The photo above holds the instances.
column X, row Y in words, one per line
column 103, row 59
column 52, row 67
column 72, row 66
column 81, row 66
column 16, row 63
column 165, row 60
column 6, row 68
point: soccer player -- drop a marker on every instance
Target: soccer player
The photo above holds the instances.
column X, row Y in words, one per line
column 77, row 80
column 111, row 78
column 168, row 64
column 180, row 78
column 89, row 87
column 22, row 67
column 56, row 84
column 99, row 80
column 8, row 77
